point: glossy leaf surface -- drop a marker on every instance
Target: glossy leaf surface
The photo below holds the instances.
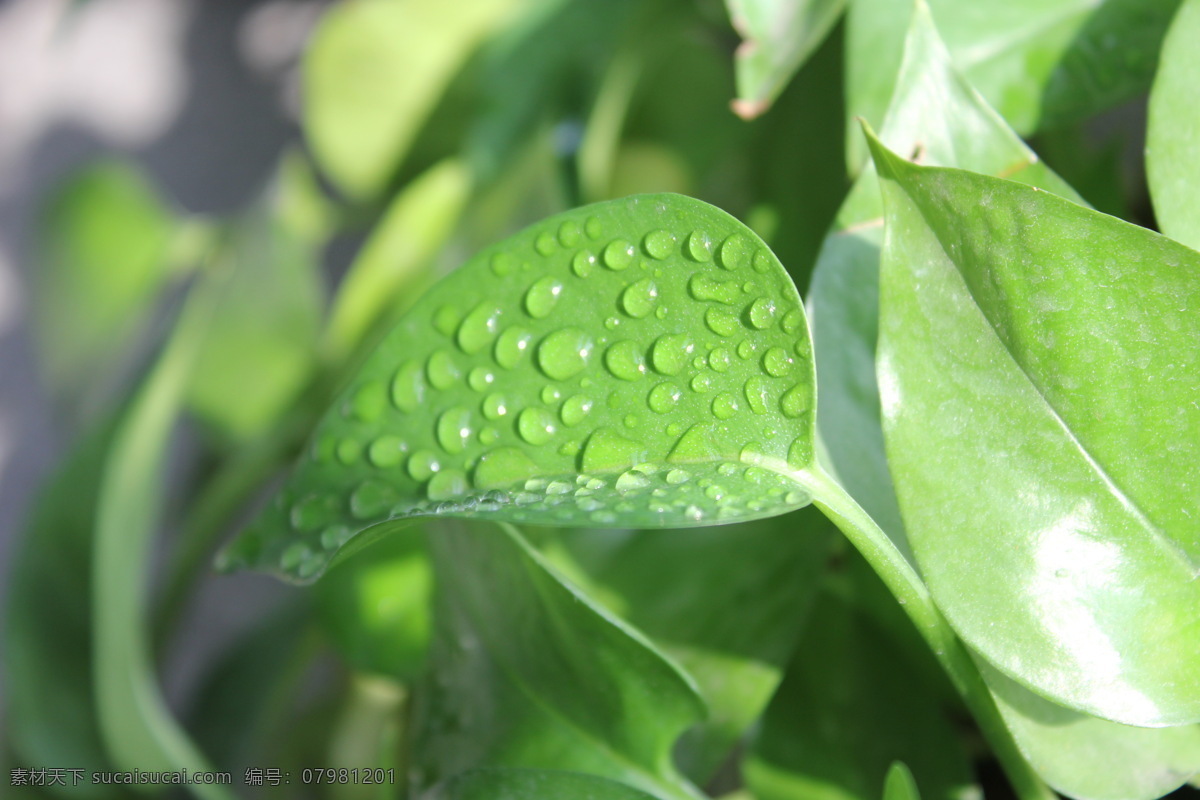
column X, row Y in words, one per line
column 637, row 363
column 1037, row 370
column 727, row 603
column 1173, row 131
column 527, row 672
column 778, row 36
column 839, row 720
column 534, row 784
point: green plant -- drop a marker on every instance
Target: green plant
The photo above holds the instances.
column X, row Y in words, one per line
column 989, row 389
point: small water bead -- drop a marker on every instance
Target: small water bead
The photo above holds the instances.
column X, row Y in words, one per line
column 479, row 327
column 511, row 345
column 583, row 262
column 701, row 383
column 800, row 454
column 618, row 255
column 714, row 492
column 699, row 362
column 569, row 234
column 720, row 359
column 480, row 379
column 296, row 554
column 661, row 312
column 670, row 352
column 792, row 321
column 803, row 348
column 659, row 244
column 762, row 261
column 423, row 464
column 593, row 228
column 625, row 360
column 762, row 313
column 408, row 387
column 727, row 469
column 489, row 436
column 494, row 406
column 535, row 425
column 550, row 394
column 503, row 264
column 693, row 513
column 588, row 504
column 595, row 484
column 674, row 429
column 707, row 288
column 313, row 512
column 677, row 476
column 447, row 484
column 631, row 420
column 721, row 321
column 564, row 353
column 734, row 252
column 756, row 391
column 699, row 246
column 454, row 429
column 387, row 451
column 441, row 370
column 797, row 498
column 796, row 401
column 612, row 322
column 777, row 362
column 570, row 448
column 575, row 409
column 335, row 536
column 545, row 244
column 631, row 482
column 349, row 451
column 368, row 402
column 725, row 405
column 542, row 297
column 445, row 320
column 639, row 298
column 662, row 398
column 371, row 499
column 745, row 349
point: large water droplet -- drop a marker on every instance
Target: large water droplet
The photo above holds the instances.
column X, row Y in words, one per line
column 608, row 451
column 503, row 467
column 720, row 359
column 670, row 353
column 618, row 255
column 536, row 425
column 625, row 360
column 494, row 406
column 734, row 252
column 699, row 246
column 479, row 327
column 511, row 345
column 542, row 297
column 441, row 370
column 639, row 298
column 795, row 401
column 564, row 353
column 724, row 405
column 777, row 362
column 368, row 402
column 454, row 429
column 569, row 234
column 447, row 484
column 705, row 287
column 575, row 409
column 387, row 451
column 445, row 320
column 762, row 313
column 583, row 262
column 721, row 321
column 659, row 244
column 423, row 464
column 756, row 394
column 408, row 387
column 480, row 379
column 663, row 397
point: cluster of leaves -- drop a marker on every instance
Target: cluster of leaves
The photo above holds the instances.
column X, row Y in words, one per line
column 1008, row 434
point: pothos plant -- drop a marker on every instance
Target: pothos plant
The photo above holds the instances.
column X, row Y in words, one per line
column 989, row 388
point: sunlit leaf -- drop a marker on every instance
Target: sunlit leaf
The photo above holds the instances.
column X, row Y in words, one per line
column 1173, row 131
column 1037, row 375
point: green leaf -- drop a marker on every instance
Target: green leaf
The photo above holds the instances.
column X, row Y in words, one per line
column 375, row 606
column 1083, row 756
column 850, row 705
column 636, row 363
column 1173, row 131
column 527, row 672
column 264, row 331
column 778, row 37
column 1038, row 390
column 1041, row 63
column 533, row 784
column 900, row 784
column 726, row 603
column 372, row 75
column 103, row 249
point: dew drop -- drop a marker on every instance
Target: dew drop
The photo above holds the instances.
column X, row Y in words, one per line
column 593, row 227
column 564, row 353
column 480, row 379
column 368, row 402
column 720, row 359
column 349, row 451
column 454, row 429
column 800, row 454
column 445, row 320
column 699, row 362
column 575, row 409
column 559, row 487
column 494, row 406
column 535, row 425
column 569, row 234
column 677, row 476
column 777, row 362
column 511, row 345
column 295, row 555
column 714, row 492
column 386, row 451
column 503, row 467
column 503, row 264
column 441, row 370
column 408, row 387
column 631, row 482
column 447, row 484
column 756, row 394
column 707, row 288
column 371, row 499
column 745, row 349
column 792, row 321
column 542, row 297
column 545, row 243
column 570, row 448
column 489, row 436
column 663, row 397
column 658, row 244
column 625, row 361
column 631, row 420
column 795, row 401
column 335, row 536
column 701, row 383
column 639, row 298
column 583, row 262
column 725, row 405
column 721, row 321
column 803, row 348
column 762, row 313
column 423, row 464
column 550, row 394
column 670, row 352
column 699, row 246
column 478, row 328
column 313, row 512
column 734, row 252
column 618, row 255
column 608, row 451
column 661, row 312
column 762, row 261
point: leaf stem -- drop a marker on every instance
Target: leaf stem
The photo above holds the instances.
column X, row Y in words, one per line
column 912, row 594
